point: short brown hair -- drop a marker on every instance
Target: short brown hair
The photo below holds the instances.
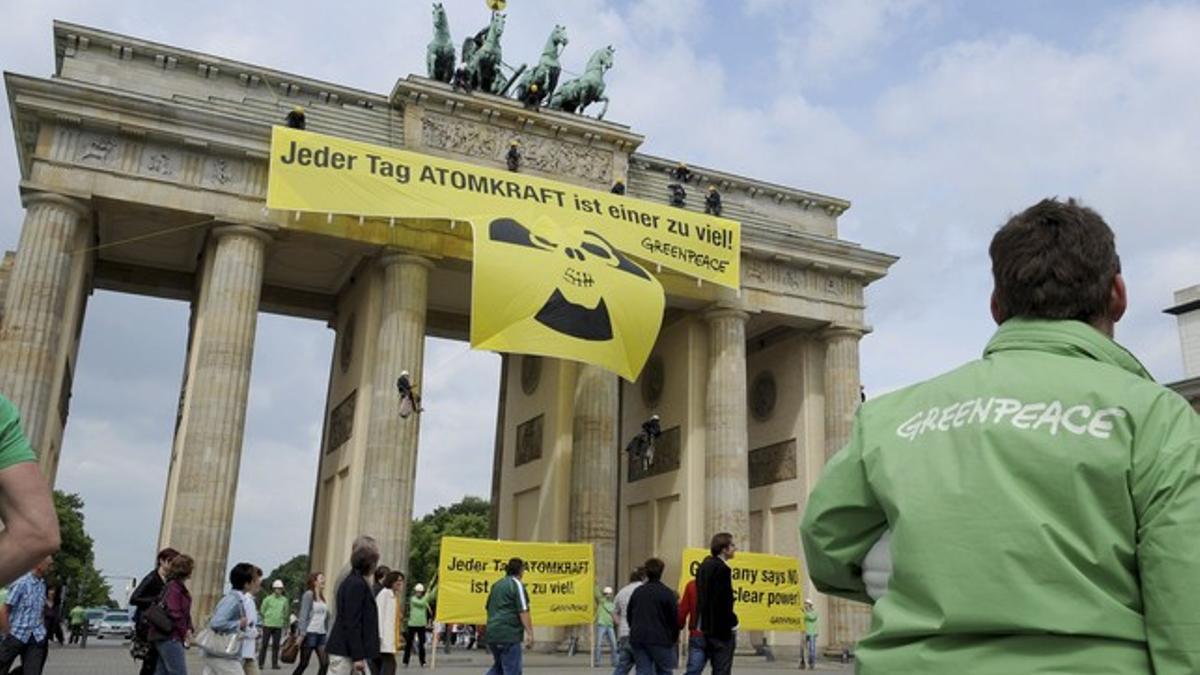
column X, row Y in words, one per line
column 720, row 542
column 1054, row 260
column 180, row 567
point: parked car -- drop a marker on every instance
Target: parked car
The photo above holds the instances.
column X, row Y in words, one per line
column 115, row 625
column 94, row 615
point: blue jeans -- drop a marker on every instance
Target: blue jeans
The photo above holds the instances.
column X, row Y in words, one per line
column 810, row 642
column 696, row 658
column 506, row 658
column 603, row 634
column 172, row 659
column 624, row 657
column 654, row 659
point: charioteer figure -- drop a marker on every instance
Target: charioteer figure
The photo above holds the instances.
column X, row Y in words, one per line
column 618, row 187
column 410, row 400
column 712, row 201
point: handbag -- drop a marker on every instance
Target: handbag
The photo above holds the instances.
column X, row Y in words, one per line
column 290, row 649
column 158, row 623
column 222, row 645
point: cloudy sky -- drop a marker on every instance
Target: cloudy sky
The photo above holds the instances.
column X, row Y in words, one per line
column 937, row 120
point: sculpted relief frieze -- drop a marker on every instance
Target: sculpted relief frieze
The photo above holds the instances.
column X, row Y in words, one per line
column 546, row 155
column 132, row 155
column 809, row 283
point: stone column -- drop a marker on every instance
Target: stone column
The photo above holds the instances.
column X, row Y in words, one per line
column 848, row 620
column 40, row 306
column 390, row 463
column 594, row 457
column 726, row 464
column 198, row 516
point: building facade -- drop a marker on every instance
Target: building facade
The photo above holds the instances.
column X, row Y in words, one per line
column 1187, row 312
column 143, row 170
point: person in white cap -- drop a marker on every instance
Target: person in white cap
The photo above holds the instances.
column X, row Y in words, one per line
column 604, row 626
column 273, row 615
column 410, row 400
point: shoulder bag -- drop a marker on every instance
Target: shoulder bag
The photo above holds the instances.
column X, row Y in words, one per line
column 222, row 645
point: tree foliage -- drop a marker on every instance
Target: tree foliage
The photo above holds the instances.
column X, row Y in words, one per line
column 75, row 563
column 293, row 574
column 466, row 518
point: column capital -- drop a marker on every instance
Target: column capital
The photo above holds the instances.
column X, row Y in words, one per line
column 82, row 208
column 838, row 331
column 723, row 311
column 392, row 257
column 261, row 234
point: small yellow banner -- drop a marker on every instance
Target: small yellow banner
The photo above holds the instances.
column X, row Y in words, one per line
column 559, row 579
column 768, row 590
column 327, row 174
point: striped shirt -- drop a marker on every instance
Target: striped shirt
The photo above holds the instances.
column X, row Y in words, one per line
column 26, row 601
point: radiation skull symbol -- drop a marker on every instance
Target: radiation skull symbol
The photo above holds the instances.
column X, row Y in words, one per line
column 577, row 306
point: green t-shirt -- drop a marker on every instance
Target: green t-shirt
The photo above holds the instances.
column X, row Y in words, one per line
column 604, row 610
column 77, row 615
column 274, row 611
column 14, row 447
column 812, row 624
column 506, row 601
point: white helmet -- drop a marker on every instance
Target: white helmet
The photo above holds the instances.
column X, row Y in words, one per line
column 608, row 590
column 420, row 588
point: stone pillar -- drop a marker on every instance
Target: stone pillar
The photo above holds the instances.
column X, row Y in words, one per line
column 390, row 465
column 848, row 620
column 41, row 308
column 726, row 464
column 202, row 487
column 594, row 458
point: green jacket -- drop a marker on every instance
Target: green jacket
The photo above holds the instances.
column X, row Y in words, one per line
column 812, row 623
column 1044, row 504
column 418, row 608
column 274, row 610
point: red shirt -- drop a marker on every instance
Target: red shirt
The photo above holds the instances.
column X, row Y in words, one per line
column 687, row 609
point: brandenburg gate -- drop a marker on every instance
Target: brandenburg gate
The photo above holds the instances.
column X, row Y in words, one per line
column 143, row 170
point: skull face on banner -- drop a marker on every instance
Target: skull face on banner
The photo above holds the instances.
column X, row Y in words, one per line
column 543, row 288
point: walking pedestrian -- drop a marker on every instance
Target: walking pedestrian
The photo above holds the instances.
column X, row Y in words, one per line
column 508, row 621
column 688, row 615
column 313, row 625
column 53, row 616
column 148, row 592
column 354, row 639
column 22, row 614
column 253, row 624
column 172, row 658
column 30, row 530
column 390, row 604
column 654, row 623
column 620, row 619
column 714, row 604
column 604, row 626
column 812, row 629
column 377, row 585
column 1043, row 502
column 75, row 625
column 274, row 615
column 418, row 620
column 228, row 618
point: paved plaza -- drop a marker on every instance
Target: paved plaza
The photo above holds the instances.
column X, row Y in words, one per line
column 112, row 658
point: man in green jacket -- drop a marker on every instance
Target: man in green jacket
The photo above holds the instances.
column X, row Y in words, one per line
column 1043, row 503
column 274, row 611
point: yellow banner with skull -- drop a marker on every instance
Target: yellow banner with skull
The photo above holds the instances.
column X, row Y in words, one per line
column 554, row 270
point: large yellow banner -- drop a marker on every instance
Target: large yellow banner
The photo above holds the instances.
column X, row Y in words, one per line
column 559, row 579
column 327, row 174
column 768, row 592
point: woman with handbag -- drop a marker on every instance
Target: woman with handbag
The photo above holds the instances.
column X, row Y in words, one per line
column 390, row 603
column 313, row 625
column 176, row 608
column 222, row 642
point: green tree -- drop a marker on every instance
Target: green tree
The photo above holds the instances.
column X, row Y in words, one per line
column 293, row 574
column 466, row 518
column 75, row 563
